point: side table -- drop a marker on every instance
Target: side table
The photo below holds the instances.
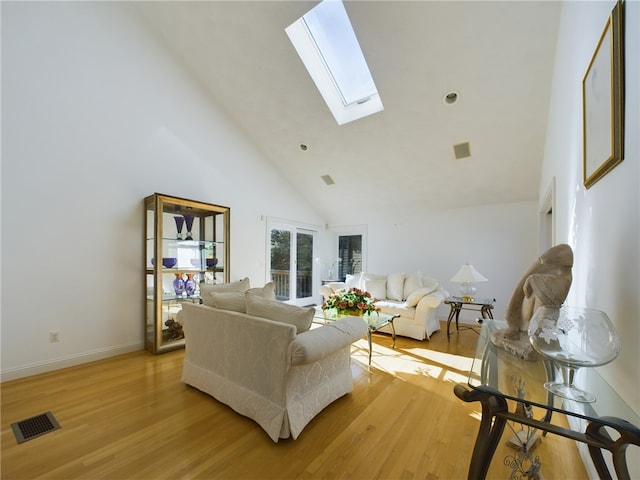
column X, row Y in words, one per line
column 484, row 306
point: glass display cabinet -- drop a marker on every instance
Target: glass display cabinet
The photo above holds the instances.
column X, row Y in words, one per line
column 186, row 244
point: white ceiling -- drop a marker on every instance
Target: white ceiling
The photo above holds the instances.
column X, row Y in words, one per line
column 498, row 56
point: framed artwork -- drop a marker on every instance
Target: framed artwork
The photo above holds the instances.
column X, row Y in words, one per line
column 603, row 102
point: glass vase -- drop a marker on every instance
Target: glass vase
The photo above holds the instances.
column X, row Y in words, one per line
column 190, row 285
column 179, row 223
column 179, row 285
column 188, row 220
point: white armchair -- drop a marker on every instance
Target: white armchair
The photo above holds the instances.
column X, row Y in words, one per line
column 262, row 369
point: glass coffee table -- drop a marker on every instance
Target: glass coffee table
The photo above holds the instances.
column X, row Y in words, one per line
column 375, row 322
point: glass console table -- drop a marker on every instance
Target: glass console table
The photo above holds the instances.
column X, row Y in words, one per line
column 500, row 380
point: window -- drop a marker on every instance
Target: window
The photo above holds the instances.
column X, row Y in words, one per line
column 327, row 45
column 350, row 255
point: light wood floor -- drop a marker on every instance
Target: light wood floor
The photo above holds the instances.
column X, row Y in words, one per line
column 130, row 417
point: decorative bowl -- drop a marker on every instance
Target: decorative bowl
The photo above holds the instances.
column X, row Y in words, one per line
column 195, row 262
column 169, row 262
column 212, row 262
column 573, row 337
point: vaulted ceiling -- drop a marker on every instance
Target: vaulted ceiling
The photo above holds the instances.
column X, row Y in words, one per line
column 498, row 56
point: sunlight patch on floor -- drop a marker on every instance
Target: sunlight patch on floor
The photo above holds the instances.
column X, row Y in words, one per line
column 413, row 361
column 457, row 362
column 455, row 377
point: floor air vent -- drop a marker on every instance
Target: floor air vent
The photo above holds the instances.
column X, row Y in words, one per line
column 34, row 427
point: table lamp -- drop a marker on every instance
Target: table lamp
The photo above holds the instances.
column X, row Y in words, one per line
column 467, row 276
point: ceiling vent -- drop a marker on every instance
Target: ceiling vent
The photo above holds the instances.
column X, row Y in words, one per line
column 462, row 150
column 327, row 179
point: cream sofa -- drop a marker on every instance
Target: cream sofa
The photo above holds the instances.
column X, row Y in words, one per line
column 414, row 297
column 262, row 368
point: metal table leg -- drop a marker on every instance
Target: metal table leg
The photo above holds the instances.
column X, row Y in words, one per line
column 455, row 312
column 490, row 432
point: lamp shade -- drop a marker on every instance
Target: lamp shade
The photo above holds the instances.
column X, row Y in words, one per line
column 468, row 274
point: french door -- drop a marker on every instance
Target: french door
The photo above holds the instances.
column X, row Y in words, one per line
column 291, row 266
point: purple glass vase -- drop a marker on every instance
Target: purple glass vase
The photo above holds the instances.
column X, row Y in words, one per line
column 190, row 285
column 179, row 223
column 188, row 220
column 179, row 285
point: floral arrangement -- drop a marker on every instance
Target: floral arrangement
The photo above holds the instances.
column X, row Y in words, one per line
column 353, row 300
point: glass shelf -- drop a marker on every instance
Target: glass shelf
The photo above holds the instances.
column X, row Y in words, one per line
column 187, row 243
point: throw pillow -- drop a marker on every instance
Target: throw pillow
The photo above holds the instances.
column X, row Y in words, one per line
column 416, row 295
column 377, row 288
column 229, row 301
column 395, row 286
column 268, row 291
column 411, row 284
column 373, row 276
column 280, row 312
column 352, row 281
column 206, row 289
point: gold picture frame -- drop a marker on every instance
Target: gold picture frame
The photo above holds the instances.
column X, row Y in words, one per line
column 603, row 102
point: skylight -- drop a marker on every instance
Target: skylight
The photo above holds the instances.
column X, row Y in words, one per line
column 327, row 45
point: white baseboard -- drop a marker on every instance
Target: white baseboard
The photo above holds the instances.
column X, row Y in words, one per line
column 68, row 361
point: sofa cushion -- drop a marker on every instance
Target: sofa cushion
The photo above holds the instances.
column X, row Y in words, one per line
column 395, row 286
column 206, row 289
column 411, row 284
column 228, row 301
column 416, row 295
column 374, row 276
column 268, row 291
column 392, row 307
column 280, row 312
column 377, row 288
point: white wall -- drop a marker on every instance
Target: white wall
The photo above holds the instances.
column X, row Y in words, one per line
column 602, row 223
column 95, row 117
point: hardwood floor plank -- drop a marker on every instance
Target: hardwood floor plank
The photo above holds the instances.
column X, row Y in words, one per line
column 130, row 417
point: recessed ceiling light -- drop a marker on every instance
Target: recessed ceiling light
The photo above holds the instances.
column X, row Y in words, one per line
column 450, row 98
column 304, row 147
